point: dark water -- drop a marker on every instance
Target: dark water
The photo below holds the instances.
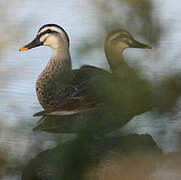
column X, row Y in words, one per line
column 18, row 73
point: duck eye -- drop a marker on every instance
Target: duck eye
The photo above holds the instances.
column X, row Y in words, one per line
column 48, row 31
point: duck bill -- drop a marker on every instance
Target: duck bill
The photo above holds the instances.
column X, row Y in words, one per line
column 137, row 44
column 35, row 43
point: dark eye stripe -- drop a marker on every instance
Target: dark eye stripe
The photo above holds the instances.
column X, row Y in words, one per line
column 48, row 31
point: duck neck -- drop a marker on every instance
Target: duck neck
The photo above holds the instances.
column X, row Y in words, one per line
column 116, row 60
column 59, row 62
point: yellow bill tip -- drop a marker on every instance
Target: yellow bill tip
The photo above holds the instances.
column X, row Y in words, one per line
column 23, row 49
column 148, row 47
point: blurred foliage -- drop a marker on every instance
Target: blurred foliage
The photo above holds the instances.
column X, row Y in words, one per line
column 3, row 160
column 135, row 16
column 96, row 156
column 168, row 92
column 10, row 31
column 82, row 158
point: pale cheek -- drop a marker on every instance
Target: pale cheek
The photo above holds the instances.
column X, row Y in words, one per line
column 51, row 41
column 122, row 45
column 43, row 38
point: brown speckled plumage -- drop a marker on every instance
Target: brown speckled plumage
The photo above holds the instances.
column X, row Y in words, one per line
column 47, row 96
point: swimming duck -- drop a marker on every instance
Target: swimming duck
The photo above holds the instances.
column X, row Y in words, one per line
column 76, row 94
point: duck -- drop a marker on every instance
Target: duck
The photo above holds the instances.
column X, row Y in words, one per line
column 58, row 83
column 116, row 42
column 135, row 90
column 89, row 96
